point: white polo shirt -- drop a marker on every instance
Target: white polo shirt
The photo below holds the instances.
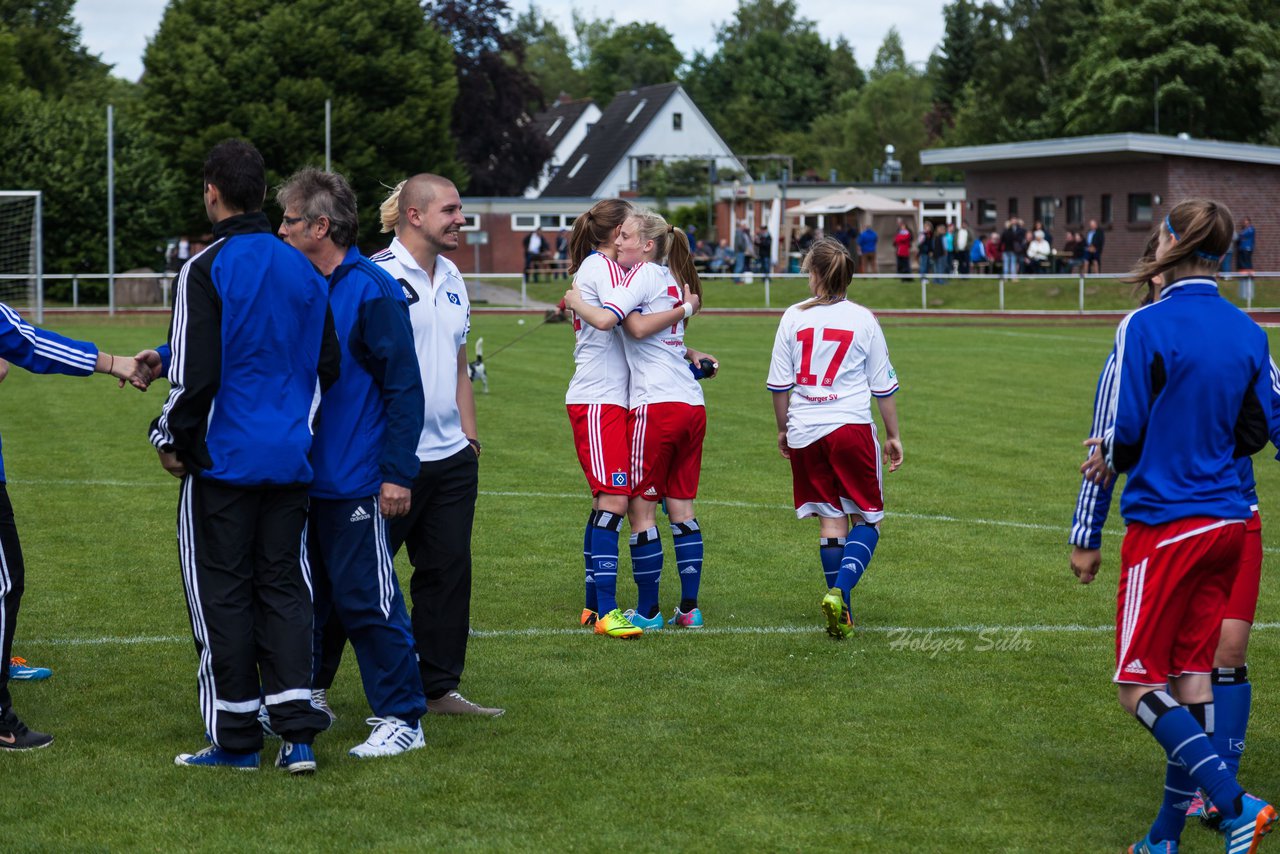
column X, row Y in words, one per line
column 441, row 316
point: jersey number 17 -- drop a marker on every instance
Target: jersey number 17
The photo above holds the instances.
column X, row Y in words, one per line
column 843, row 338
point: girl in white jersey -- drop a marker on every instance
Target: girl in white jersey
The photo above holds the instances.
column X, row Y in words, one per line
column 597, row 403
column 829, row 360
column 667, row 418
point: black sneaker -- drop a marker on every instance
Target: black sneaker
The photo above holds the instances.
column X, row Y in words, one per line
column 14, row 734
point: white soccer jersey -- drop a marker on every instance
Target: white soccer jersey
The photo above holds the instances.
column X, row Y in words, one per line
column 441, row 316
column 659, row 371
column 601, row 374
column 833, row 359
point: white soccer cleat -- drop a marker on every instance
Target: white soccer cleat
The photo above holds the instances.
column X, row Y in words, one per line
column 390, row 737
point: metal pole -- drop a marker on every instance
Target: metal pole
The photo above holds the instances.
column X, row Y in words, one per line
column 40, row 258
column 766, row 292
column 924, row 293
column 1002, row 294
column 75, row 290
column 328, row 106
column 1082, row 293
column 111, row 211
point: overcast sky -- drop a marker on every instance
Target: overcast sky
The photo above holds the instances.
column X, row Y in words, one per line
column 118, row 30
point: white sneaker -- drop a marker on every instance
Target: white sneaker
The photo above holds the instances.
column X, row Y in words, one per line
column 320, row 699
column 390, row 737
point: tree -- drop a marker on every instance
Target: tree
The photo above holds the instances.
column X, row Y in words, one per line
column 547, row 57
column 496, row 139
column 225, row 68
column 890, row 57
column 631, row 56
column 957, row 55
column 1193, row 60
column 770, row 75
column 47, row 48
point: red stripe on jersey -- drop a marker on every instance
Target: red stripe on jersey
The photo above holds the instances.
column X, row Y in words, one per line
column 626, row 283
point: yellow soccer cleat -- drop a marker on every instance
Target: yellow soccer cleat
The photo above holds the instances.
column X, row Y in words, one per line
column 839, row 622
column 615, row 625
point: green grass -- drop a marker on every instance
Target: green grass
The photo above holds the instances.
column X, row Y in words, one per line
column 770, row 740
column 1026, row 294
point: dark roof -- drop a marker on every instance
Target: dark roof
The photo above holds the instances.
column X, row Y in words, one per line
column 568, row 112
column 1111, row 147
column 609, row 140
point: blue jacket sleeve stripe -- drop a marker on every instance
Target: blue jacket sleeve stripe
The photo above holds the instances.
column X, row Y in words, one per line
column 1094, row 502
column 41, row 351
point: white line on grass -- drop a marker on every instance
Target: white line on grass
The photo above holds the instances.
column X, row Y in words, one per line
column 1069, row 628
column 577, row 496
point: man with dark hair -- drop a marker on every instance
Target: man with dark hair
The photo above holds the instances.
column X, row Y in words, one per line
column 253, row 311
column 1094, row 241
column 365, row 459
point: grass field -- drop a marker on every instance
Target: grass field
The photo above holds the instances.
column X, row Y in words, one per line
column 971, row 712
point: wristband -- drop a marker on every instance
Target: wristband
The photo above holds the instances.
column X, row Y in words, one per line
column 688, row 310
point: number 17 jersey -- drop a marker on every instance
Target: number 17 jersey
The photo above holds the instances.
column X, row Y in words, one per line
column 832, row 359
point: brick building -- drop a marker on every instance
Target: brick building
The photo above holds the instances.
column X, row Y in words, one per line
column 1127, row 182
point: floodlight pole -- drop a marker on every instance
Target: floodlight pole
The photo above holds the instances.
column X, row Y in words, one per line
column 39, row 258
column 328, row 112
column 111, row 211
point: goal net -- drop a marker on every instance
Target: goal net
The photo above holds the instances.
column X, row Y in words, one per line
column 20, row 247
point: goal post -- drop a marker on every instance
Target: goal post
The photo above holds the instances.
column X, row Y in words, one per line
column 22, row 251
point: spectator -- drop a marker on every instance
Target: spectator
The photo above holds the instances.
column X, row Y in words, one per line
column 977, row 256
column 532, row 255
column 1038, row 253
column 902, row 249
column 993, row 249
column 867, row 241
column 962, row 255
column 806, row 239
column 1013, row 245
column 1048, row 235
column 722, row 260
column 562, row 254
column 1094, row 240
column 743, row 248
column 925, row 247
column 940, row 255
column 1244, row 246
column 764, row 251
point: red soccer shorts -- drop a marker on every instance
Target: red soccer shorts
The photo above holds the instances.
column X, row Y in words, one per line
column 666, row 449
column 1243, row 604
column 1174, row 586
column 839, row 475
column 600, row 435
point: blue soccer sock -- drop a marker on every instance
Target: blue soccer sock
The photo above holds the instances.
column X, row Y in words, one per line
column 687, row 538
column 1192, row 760
column 646, row 568
column 604, row 559
column 1179, row 788
column 831, row 551
column 859, row 546
column 1232, row 696
column 589, row 598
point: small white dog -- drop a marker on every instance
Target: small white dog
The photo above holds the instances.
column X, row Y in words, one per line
column 476, row 370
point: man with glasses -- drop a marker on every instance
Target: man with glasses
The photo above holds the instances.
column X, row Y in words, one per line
column 365, row 459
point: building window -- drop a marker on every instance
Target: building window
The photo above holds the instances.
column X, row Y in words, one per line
column 1106, row 209
column 555, row 125
column 544, row 222
column 1139, row 207
column 550, row 221
column 524, row 222
column 1075, row 210
column 677, row 121
column 577, row 166
column 1045, row 210
column 986, row 211
column 640, row 106
column 1013, row 206
column 471, row 222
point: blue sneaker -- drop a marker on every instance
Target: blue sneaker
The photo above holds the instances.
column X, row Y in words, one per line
column 20, row 671
column 1146, row 846
column 690, row 620
column 215, row 757
column 296, row 758
column 1245, row 831
column 649, row 624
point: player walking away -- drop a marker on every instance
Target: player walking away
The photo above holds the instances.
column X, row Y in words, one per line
column 1176, row 412
column 1232, row 691
column 40, row 352
column 597, row 405
column 667, row 418
column 251, row 323
column 365, row 459
column 829, row 360
column 425, row 212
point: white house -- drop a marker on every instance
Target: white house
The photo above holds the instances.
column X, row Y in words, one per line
column 565, row 125
column 638, row 128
